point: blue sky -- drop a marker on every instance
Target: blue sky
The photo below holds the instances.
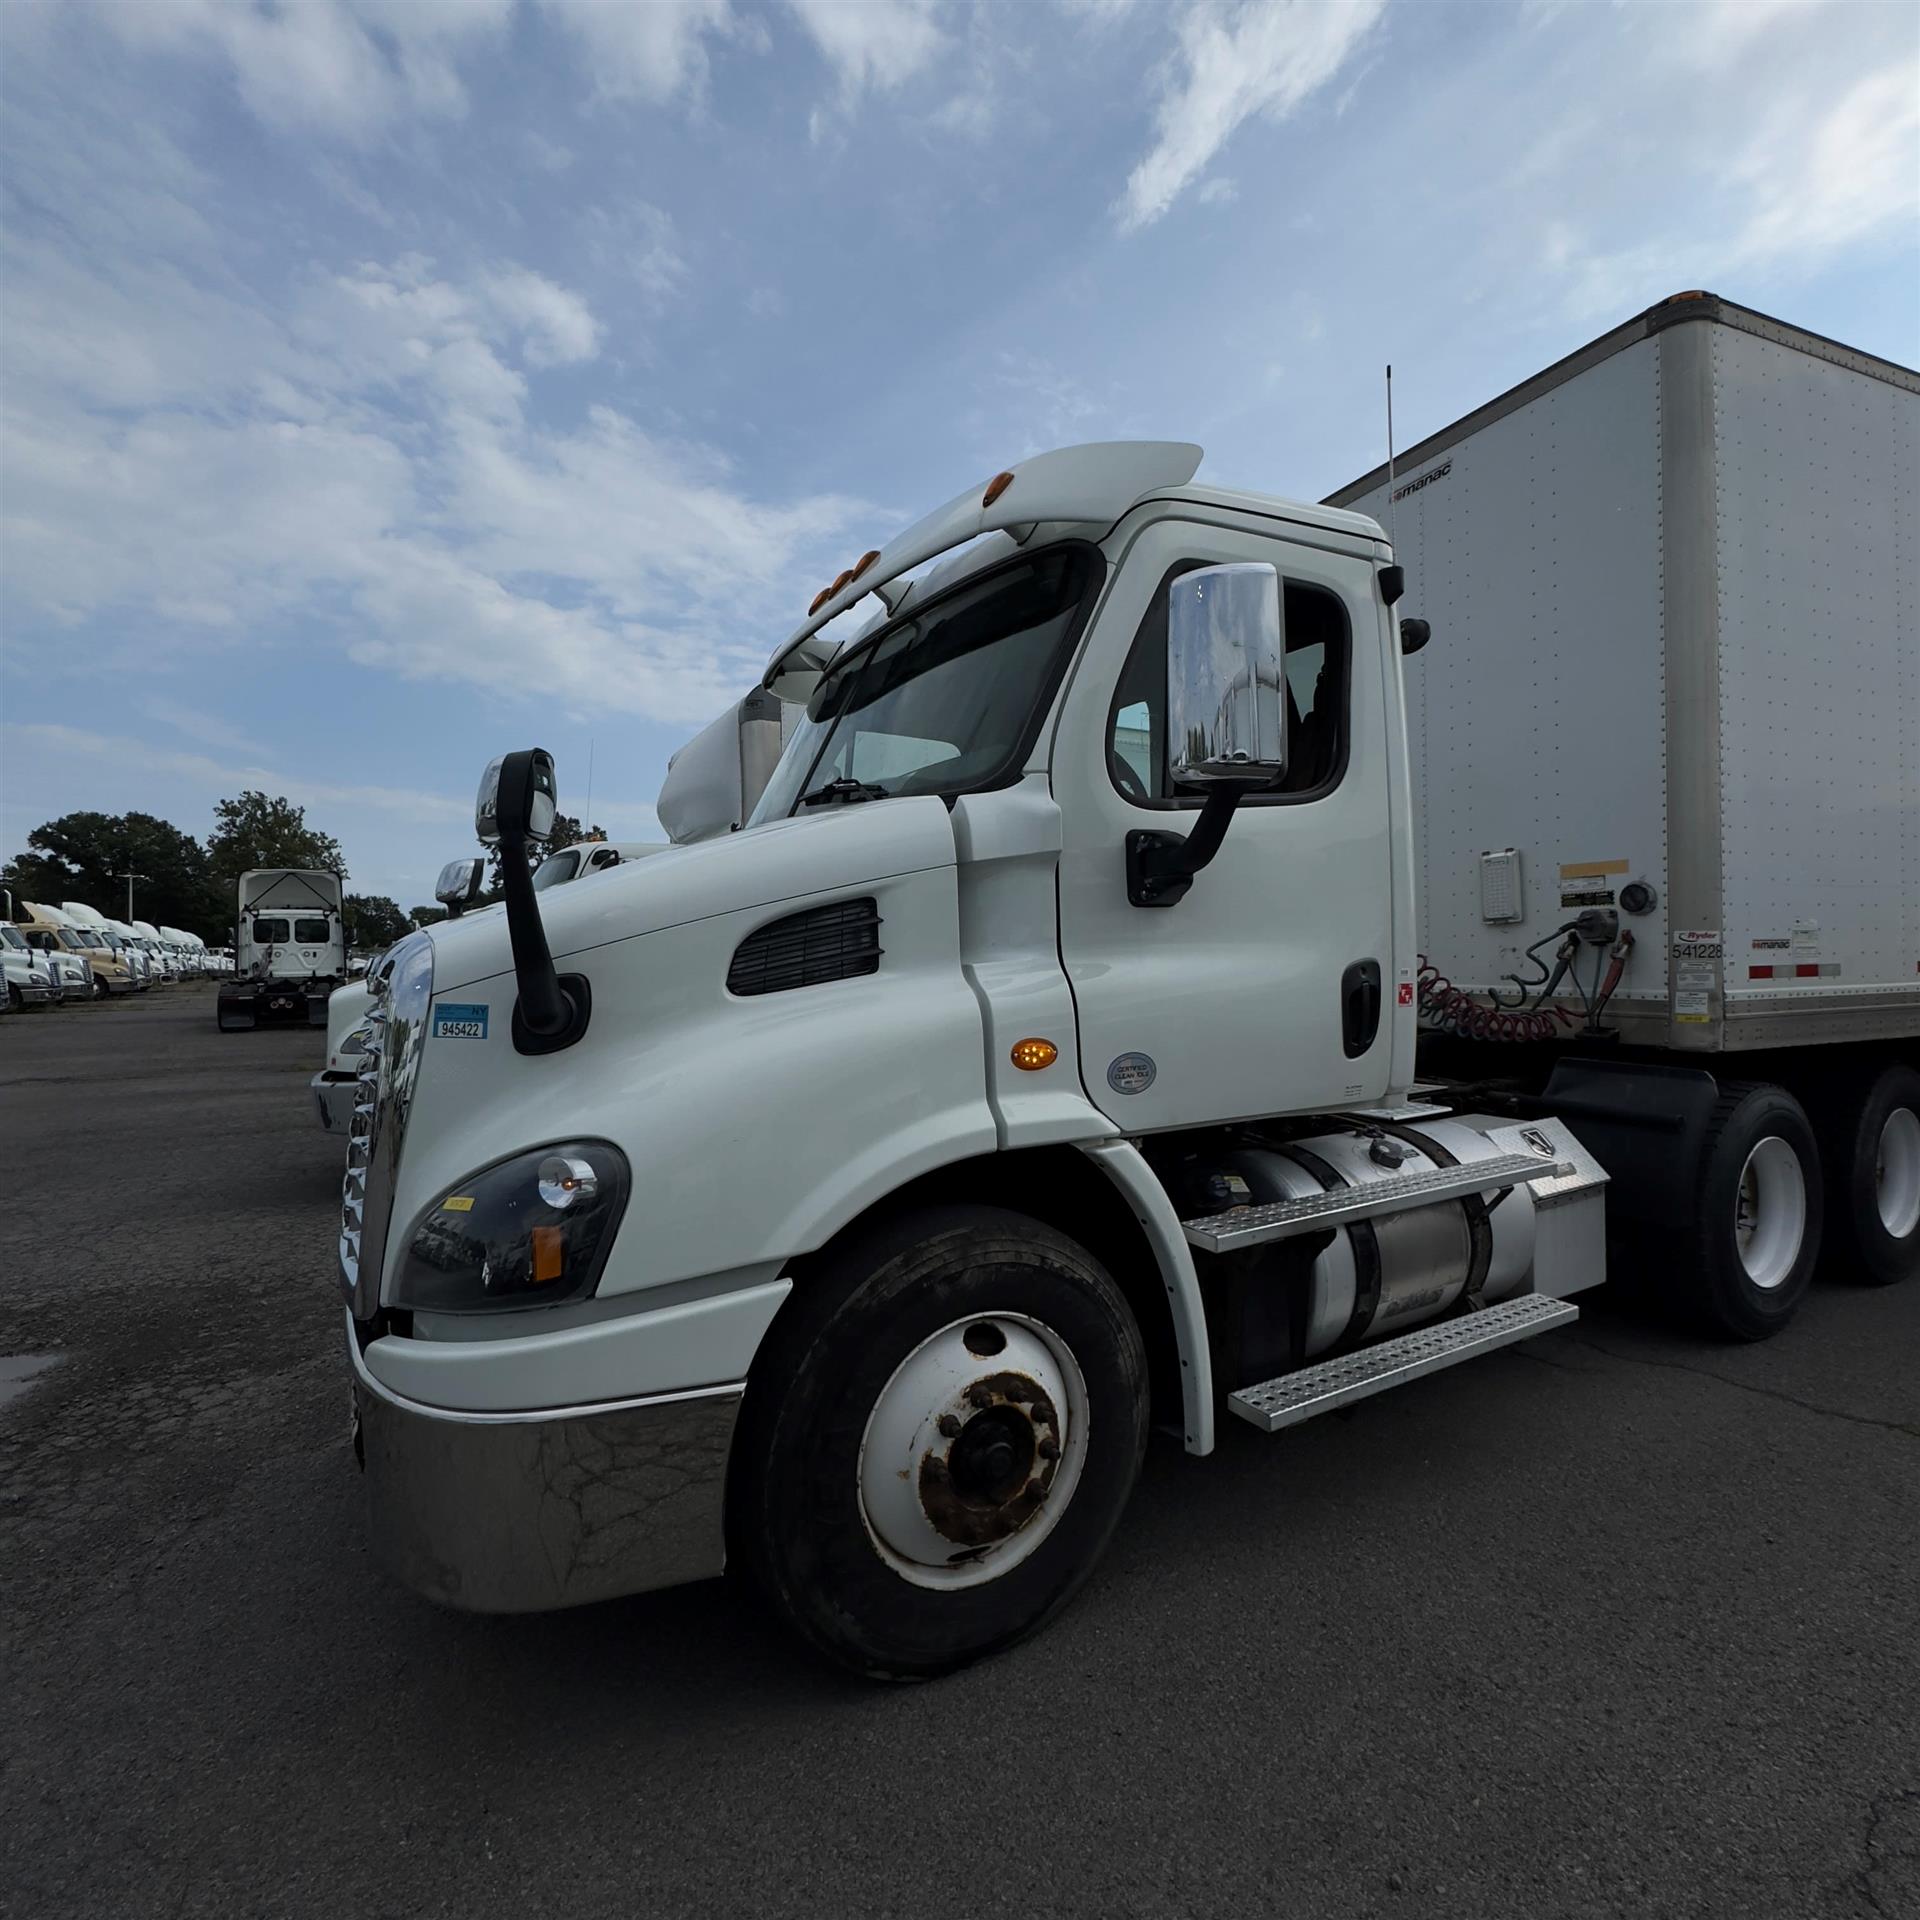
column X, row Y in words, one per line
column 388, row 383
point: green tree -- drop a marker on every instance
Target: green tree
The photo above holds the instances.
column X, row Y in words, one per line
column 260, row 830
column 567, row 831
column 426, row 916
column 373, row 921
column 85, row 856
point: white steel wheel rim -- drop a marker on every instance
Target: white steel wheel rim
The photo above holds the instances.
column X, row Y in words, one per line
column 1770, row 1212
column 915, row 1447
column 1896, row 1173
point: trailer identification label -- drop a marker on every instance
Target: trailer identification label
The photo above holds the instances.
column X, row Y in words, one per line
column 455, row 1021
column 1697, row 945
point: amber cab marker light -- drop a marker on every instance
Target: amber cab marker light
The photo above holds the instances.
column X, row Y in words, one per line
column 1031, row 1055
column 995, row 488
column 818, row 601
column 865, row 561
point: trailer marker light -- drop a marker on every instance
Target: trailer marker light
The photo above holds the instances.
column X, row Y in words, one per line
column 1031, row 1055
column 995, row 488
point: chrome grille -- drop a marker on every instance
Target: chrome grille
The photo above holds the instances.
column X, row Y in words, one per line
column 360, row 1133
column 396, row 1031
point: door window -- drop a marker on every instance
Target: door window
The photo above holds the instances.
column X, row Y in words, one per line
column 1318, row 649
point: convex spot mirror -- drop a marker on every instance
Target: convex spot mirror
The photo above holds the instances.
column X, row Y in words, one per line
column 1226, row 656
column 517, row 798
column 459, row 883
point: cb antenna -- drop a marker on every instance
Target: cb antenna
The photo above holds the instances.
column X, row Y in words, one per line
column 1393, row 529
column 588, row 822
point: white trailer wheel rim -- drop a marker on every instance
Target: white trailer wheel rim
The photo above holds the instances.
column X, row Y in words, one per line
column 1896, row 1173
column 1770, row 1212
column 944, row 1378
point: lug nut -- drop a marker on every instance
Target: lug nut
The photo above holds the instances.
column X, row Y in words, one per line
column 1049, row 1447
column 949, row 1424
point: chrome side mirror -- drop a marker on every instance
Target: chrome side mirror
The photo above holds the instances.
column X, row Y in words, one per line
column 459, row 885
column 1226, row 716
column 1226, row 651
column 517, row 798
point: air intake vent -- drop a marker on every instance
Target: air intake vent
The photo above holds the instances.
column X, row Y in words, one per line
column 809, row 949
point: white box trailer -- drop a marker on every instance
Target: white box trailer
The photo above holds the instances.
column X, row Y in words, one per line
column 1673, row 583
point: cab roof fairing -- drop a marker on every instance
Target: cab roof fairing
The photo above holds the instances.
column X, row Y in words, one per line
column 1091, row 485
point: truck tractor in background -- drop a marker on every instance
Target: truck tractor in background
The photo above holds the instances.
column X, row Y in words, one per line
column 290, row 950
column 843, row 1194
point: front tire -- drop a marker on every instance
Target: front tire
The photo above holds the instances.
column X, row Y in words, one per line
column 1756, row 1234
column 938, row 1440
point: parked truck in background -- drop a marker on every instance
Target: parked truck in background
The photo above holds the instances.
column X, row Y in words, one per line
column 845, row 1195
column 290, row 949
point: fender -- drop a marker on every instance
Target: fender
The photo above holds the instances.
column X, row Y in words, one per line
column 1124, row 1164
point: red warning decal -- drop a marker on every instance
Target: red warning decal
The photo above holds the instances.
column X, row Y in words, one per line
column 1406, row 993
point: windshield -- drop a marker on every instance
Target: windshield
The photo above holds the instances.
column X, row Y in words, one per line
column 78, row 937
column 10, row 938
column 944, row 701
column 556, row 868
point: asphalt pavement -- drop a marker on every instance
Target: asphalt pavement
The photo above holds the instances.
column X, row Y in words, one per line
column 1613, row 1622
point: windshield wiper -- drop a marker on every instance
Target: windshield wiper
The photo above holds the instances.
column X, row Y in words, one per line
column 844, row 788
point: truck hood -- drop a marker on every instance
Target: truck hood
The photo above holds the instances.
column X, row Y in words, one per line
column 831, row 849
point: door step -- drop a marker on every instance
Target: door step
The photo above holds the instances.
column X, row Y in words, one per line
column 1294, row 1397
column 1283, row 1219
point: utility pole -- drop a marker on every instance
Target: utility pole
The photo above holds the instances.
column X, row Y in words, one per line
column 130, row 877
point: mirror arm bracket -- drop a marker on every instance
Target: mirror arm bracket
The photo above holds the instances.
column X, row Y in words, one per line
column 1161, row 866
column 551, row 1011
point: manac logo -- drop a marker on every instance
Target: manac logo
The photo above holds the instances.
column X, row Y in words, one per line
column 1426, row 480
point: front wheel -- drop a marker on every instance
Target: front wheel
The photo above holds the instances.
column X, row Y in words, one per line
column 938, row 1440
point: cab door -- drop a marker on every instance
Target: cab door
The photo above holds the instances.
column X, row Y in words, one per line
column 1264, row 990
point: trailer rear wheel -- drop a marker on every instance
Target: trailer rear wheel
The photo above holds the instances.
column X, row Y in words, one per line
column 1757, row 1229
column 1873, row 1182
column 938, row 1440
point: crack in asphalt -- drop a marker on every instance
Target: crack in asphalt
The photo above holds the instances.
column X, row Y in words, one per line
column 1877, row 1814
column 1912, row 1432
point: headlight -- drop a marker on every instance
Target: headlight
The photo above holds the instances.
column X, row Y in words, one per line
column 531, row 1232
column 355, row 1042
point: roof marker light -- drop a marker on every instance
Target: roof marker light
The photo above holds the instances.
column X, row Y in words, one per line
column 995, row 488
column 865, row 561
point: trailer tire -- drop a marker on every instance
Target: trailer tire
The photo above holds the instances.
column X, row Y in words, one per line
column 1756, row 1232
column 921, row 1330
column 1873, row 1178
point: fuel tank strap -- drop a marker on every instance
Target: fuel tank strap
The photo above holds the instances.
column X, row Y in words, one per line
column 1361, row 1237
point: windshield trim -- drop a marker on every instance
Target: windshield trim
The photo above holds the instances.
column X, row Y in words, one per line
column 1009, row 770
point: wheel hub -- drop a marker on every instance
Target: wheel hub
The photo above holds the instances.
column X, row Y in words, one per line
column 972, row 1450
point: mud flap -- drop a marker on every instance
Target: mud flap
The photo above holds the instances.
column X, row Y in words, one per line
column 235, row 1010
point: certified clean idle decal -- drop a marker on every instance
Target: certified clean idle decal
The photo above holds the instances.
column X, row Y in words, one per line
column 1131, row 1073
column 454, row 1021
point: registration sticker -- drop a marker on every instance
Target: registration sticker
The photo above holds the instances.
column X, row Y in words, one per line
column 454, row 1021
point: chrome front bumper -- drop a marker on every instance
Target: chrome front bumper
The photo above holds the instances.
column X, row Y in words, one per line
column 36, row 993
column 523, row 1512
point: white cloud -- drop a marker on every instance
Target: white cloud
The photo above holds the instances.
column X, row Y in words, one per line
column 644, row 49
column 229, row 778
column 557, row 326
column 1235, row 60
column 1822, row 185
column 876, row 43
column 341, row 67
column 1222, row 190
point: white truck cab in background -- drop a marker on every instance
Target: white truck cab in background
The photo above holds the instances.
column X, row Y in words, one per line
column 290, row 950
column 846, row 1190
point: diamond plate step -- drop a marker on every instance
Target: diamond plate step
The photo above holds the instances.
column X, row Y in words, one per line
column 1294, row 1397
column 1282, row 1219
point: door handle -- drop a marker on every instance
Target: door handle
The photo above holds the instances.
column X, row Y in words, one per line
column 1359, row 1006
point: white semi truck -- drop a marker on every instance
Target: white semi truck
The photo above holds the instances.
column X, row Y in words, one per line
column 847, row 1195
column 289, row 947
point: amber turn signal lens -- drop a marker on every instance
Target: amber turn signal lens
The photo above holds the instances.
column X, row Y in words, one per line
column 549, row 1254
column 1031, row 1055
column 995, row 488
